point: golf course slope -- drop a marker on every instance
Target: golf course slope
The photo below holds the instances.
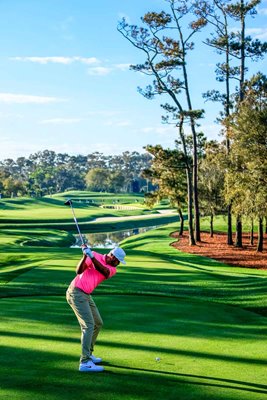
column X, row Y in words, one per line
column 176, row 326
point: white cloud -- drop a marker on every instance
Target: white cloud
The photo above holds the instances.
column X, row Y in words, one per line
column 171, row 132
column 147, row 130
column 262, row 11
column 212, row 131
column 118, row 123
column 103, row 113
column 99, row 71
column 122, row 67
column 258, row 33
column 60, row 121
column 17, row 148
column 11, row 98
column 159, row 130
column 123, row 123
column 93, row 62
column 58, row 60
column 13, row 116
column 88, row 60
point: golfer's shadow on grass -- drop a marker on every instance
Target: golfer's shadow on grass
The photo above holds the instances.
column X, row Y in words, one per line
column 221, row 383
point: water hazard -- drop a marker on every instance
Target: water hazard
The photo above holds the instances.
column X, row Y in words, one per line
column 109, row 239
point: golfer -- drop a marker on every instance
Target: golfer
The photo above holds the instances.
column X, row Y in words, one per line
column 92, row 269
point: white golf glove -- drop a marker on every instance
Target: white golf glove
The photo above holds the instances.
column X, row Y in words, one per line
column 88, row 252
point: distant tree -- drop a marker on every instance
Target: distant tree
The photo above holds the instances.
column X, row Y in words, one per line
column 116, row 181
column 97, row 179
column 1, row 183
column 66, row 178
column 130, row 170
column 13, row 187
column 96, row 160
column 211, row 180
column 37, row 182
column 140, row 162
column 167, row 172
column 8, row 167
column 135, row 186
column 47, row 172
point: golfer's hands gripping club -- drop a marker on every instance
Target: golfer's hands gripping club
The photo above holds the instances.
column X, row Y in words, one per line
column 87, row 251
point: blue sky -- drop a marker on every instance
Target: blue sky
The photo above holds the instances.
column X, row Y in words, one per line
column 65, row 84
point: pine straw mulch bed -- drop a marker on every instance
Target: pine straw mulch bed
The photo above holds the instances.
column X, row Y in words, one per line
column 218, row 249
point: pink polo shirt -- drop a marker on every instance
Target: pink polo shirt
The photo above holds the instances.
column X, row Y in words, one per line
column 91, row 278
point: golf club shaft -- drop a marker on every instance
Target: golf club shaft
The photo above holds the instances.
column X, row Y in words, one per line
column 76, row 222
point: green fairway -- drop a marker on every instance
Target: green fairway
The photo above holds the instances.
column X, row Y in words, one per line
column 52, row 208
column 50, row 212
column 205, row 321
column 43, row 210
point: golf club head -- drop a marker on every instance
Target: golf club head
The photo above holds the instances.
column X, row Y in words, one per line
column 68, row 202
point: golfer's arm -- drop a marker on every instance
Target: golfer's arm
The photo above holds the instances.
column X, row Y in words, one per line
column 101, row 268
column 81, row 265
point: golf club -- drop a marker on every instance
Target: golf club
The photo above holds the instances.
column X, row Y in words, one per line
column 69, row 203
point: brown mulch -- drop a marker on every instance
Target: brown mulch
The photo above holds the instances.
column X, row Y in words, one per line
column 218, row 249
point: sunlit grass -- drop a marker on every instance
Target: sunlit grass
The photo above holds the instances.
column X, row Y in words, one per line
column 193, row 313
column 220, row 224
column 51, row 212
column 202, row 355
column 54, row 209
column 86, row 204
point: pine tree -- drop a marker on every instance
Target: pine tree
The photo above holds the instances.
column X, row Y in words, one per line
column 248, row 172
column 236, row 47
column 165, row 46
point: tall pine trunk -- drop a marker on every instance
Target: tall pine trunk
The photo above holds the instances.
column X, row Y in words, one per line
column 194, row 137
column 227, row 114
column 252, row 232
column 191, row 238
column 238, row 237
column 190, row 207
column 238, row 242
column 195, row 184
column 211, row 225
column 260, row 235
column 181, row 231
column 229, row 225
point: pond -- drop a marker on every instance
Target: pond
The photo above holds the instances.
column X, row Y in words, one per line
column 109, row 240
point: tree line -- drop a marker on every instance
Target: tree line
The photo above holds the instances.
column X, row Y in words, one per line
column 165, row 39
column 48, row 172
column 238, row 177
